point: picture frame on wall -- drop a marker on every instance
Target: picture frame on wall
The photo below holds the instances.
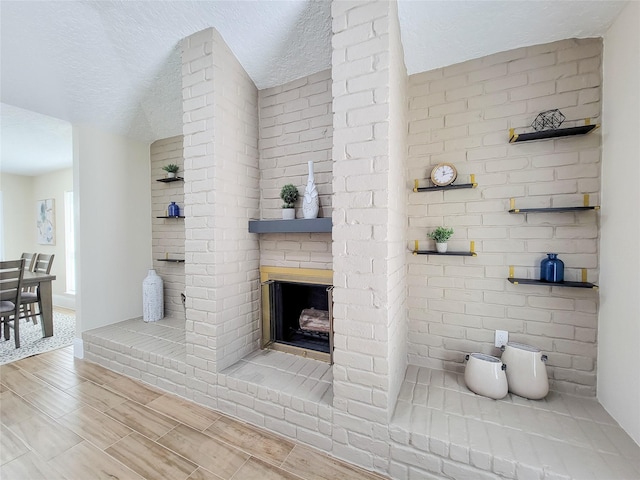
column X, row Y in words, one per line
column 46, row 222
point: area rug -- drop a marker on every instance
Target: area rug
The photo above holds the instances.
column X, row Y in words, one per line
column 31, row 341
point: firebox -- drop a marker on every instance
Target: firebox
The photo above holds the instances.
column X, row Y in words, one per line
column 297, row 311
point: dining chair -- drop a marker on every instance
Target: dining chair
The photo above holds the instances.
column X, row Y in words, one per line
column 29, row 260
column 30, row 299
column 11, row 273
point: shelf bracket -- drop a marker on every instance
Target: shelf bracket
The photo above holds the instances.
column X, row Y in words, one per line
column 472, row 247
column 473, row 180
column 415, row 185
column 584, row 275
column 511, row 273
column 415, row 248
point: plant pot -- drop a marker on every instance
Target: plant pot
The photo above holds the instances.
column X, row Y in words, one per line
column 171, row 174
column 441, row 247
column 288, row 213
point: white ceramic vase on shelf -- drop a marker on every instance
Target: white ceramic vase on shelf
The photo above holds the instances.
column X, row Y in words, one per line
column 310, row 202
column 152, row 297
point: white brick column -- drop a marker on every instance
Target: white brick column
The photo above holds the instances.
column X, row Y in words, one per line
column 221, row 194
column 369, row 219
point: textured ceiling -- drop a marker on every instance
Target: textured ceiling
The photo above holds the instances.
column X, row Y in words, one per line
column 115, row 65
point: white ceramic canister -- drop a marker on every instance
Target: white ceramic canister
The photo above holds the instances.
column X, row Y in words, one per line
column 152, row 297
column 527, row 372
column 485, row 375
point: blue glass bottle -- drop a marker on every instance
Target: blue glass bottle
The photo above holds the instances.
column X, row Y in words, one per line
column 552, row 269
column 173, row 210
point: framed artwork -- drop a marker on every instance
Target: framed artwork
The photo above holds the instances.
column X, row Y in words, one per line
column 46, row 222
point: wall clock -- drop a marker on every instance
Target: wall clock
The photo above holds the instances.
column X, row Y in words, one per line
column 443, row 174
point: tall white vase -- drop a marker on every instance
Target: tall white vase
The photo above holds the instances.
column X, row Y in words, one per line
column 152, row 297
column 310, row 202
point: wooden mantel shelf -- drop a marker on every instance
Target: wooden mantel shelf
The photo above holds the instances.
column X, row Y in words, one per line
column 300, row 225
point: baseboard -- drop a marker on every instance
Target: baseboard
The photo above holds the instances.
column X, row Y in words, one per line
column 64, row 301
column 78, row 348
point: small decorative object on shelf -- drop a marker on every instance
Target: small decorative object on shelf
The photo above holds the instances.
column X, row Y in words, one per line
column 548, row 120
column 173, row 210
column 171, row 170
column 310, row 201
column 441, row 235
column 443, row 174
column 289, row 195
column 552, row 269
column 152, row 301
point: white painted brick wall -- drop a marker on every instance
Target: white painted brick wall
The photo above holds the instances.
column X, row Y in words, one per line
column 296, row 127
column 221, row 195
column 168, row 235
column 462, row 114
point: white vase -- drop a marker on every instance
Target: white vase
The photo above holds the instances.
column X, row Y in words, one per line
column 485, row 375
column 288, row 213
column 152, row 297
column 441, row 247
column 526, row 370
column 310, row 202
column 171, row 174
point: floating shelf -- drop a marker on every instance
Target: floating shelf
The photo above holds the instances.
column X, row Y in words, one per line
column 560, row 132
column 473, row 184
column 586, row 206
column 301, row 225
column 169, row 180
column 471, row 253
column 171, row 260
column 530, row 281
column 175, row 216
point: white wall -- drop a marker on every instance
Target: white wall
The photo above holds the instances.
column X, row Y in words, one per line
column 18, row 214
column 619, row 321
column 113, row 226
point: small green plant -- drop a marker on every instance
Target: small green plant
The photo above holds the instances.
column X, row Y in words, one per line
column 441, row 234
column 289, row 194
column 171, row 168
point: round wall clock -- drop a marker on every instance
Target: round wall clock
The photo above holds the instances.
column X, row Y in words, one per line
column 443, row 174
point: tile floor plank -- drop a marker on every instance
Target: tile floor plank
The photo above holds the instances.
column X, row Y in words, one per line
column 44, row 436
column 84, row 461
column 214, row 455
column 250, row 439
column 184, row 411
column 95, row 426
column 21, row 382
column 143, row 420
column 59, row 377
column 30, row 467
column 316, row 466
column 134, row 390
column 202, row 474
column 96, row 396
column 256, row 469
column 14, row 409
column 149, row 459
column 11, row 446
column 95, row 373
column 53, row 402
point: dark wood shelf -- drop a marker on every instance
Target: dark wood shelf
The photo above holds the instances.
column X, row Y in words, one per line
column 530, row 281
column 453, row 254
column 170, row 260
column 169, row 180
column 553, row 209
column 453, row 186
column 446, row 187
column 178, row 216
column 560, row 132
column 300, row 225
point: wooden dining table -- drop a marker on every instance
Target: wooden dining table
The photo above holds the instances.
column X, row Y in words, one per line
column 43, row 281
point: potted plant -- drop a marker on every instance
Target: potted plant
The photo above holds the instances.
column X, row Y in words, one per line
column 441, row 235
column 171, row 170
column 289, row 195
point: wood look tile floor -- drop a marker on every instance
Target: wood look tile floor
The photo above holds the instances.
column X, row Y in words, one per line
column 66, row 419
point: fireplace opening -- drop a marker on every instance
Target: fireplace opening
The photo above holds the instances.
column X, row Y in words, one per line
column 297, row 311
column 300, row 315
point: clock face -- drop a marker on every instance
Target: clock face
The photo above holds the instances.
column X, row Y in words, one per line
column 443, row 174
